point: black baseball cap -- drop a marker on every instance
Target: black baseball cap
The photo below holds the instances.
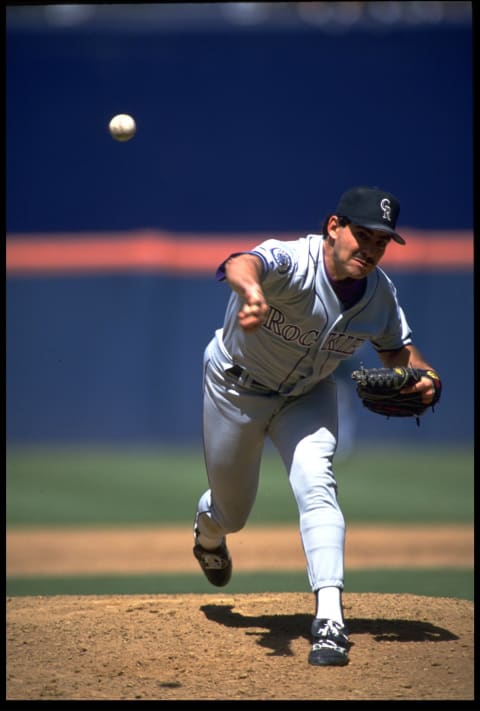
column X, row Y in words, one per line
column 371, row 207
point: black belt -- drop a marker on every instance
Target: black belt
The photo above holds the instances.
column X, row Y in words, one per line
column 237, row 371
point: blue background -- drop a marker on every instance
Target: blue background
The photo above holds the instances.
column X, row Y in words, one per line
column 238, row 131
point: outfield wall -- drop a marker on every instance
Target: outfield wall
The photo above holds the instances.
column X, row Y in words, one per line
column 119, row 357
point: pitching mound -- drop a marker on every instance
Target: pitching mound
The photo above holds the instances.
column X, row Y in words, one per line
column 234, row 647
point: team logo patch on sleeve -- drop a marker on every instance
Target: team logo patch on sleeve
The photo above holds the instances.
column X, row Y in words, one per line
column 282, row 259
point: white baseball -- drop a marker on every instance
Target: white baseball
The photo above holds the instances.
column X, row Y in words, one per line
column 122, row 127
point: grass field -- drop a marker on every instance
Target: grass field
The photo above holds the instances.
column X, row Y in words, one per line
column 432, row 582
column 64, row 486
column 129, row 486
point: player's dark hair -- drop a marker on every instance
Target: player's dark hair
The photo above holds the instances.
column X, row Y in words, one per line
column 342, row 221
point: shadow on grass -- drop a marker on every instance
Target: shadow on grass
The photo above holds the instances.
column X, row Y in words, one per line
column 280, row 629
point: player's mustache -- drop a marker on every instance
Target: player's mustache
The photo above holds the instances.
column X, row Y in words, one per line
column 364, row 258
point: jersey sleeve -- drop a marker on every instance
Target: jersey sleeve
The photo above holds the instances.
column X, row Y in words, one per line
column 278, row 259
column 396, row 332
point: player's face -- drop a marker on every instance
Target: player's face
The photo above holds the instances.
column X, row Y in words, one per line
column 357, row 250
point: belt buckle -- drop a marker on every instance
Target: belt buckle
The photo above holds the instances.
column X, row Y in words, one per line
column 238, row 373
column 245, row 379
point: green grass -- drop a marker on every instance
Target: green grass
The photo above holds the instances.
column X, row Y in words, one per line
column 82, row 486
column 433, row 582
column 421, row 485
column 101, row 486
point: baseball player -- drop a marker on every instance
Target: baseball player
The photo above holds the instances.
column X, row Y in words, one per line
column 297, row 309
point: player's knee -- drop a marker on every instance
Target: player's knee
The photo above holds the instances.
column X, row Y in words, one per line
column 234, row 522
column 217, row 523
column 314, row 487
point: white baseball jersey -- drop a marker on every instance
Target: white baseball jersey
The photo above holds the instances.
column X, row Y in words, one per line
column 307, row 332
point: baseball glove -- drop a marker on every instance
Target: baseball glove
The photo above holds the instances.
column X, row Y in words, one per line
column 379, row 389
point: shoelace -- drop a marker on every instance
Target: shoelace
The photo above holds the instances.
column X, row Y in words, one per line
column 330, row 630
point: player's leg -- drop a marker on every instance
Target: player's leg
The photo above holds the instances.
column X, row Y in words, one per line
column 233, row 444
column 305, row 433
column 234, row 426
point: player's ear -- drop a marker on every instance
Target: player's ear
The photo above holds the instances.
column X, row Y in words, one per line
column 332, row 226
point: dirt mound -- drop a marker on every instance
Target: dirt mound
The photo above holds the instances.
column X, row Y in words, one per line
column 234, row 647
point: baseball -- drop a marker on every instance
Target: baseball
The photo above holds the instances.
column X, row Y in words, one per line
column 122, row 127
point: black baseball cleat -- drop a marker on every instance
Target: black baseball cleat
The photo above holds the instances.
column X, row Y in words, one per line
column 216, row 563
column 330, row 644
